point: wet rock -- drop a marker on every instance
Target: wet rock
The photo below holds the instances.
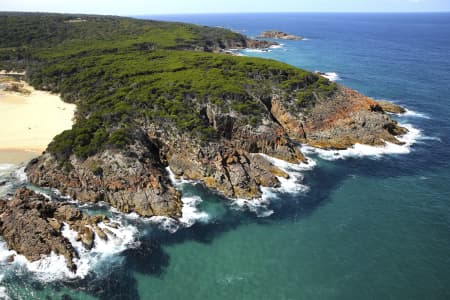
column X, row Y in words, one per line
column 391, row 107
column 130, row 184
column 31, row 225
column 87, row 237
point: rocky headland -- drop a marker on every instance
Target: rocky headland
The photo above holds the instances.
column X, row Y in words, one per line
column 275, row 34
column 168, row 98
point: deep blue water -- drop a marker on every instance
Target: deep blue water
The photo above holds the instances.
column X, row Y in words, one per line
column 368, row 228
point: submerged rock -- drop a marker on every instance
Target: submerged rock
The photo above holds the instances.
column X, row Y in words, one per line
column 31, row 225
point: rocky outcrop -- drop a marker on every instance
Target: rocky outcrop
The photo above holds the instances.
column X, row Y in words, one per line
column 134, row 181
column 11, row 84
column 391, row 107
column 258, row 44
column 274, row 34
column 31, row 225
column 232, row 171
column 340, row 121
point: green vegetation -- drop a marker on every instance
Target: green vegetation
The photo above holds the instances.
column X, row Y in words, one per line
column 124, row 74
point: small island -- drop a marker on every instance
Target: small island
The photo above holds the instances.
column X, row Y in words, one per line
column 280, row 35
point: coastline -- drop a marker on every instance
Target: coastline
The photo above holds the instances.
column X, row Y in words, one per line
column 29, row 121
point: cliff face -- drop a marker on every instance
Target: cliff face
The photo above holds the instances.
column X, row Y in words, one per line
column 152, row 95
column 136, row 179
column 340, row 121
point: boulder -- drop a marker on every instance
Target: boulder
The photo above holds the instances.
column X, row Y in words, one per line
column 31, row 225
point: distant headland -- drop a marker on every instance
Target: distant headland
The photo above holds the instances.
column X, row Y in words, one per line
column 274, row 34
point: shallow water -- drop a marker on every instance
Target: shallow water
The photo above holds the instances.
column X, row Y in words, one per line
column 367, row 227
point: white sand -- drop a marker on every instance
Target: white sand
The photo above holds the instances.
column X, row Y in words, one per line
column 29, row 122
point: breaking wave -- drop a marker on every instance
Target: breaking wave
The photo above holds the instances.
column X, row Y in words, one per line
column 411, row 113
column 53, row 267
column 190, row 213
column 290, row 185
column 249, row 50
column 359, row 150
column 332, row 76
column 279, row 46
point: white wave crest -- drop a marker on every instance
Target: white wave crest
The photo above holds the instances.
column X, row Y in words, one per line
column 332, row 76
column 359, row 150
column 293, row 184
column 411, row 113
column 190, row 214
column 279, row 46
column 165, row 223
column 21, row 175
column 3, row 294
column 249, row 50
column 53, row 267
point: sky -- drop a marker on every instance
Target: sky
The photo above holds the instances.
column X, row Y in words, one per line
column 149, row 7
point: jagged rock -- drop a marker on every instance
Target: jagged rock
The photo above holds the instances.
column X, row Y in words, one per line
column 258, row 44
column 87, row 237
column 229, row 164
column 339, row 122
column 100, row 233
column 274, row 34
column 56, row 225
column 391, row 107
column 31, row 225
column 129, row 184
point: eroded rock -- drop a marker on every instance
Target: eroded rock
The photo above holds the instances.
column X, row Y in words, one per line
column 31, row 225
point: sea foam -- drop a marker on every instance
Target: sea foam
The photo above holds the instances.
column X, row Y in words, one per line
column 190, row 214
column 20, row 175
column 279, row 46
column 411, row 113
column 53, row 267
column 359, row 150
column 249, row 50
column 332, row 76
column 290, row 185
column 3, row 294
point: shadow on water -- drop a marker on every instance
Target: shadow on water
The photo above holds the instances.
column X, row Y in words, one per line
column 150, row 258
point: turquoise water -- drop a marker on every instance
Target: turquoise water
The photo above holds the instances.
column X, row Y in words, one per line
column 367, row 228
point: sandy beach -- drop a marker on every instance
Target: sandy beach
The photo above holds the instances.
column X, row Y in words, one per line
column 29, row 120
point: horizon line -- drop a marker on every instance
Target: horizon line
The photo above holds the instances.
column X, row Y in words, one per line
column 216, row 13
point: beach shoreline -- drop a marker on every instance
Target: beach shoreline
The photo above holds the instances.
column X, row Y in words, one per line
column 29, row 119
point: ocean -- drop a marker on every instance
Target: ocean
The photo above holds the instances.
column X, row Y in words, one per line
column 366, row 223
